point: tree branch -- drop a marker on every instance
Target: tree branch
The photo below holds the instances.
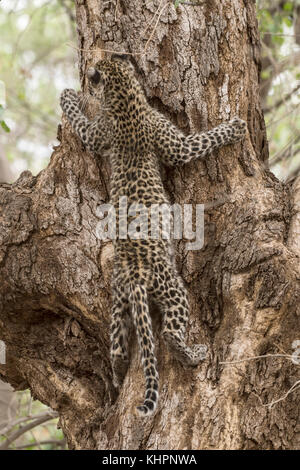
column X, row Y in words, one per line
column 22, row 430
column 55, row 442
column 282, row 100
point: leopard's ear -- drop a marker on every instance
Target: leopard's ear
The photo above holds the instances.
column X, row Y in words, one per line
column 123, row 57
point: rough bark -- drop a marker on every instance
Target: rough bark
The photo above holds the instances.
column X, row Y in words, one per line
column 200, row 68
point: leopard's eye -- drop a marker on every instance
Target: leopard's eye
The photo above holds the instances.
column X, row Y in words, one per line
column 93, row 75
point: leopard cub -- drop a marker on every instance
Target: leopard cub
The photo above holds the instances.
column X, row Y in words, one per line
column 138, row 136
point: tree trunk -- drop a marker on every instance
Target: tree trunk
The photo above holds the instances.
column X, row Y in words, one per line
column 200, row 66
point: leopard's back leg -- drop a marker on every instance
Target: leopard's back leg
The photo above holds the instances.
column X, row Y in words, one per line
column 170, row 294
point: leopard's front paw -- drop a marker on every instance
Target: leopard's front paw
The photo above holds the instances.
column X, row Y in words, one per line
column 239, row 128
column 68, row 97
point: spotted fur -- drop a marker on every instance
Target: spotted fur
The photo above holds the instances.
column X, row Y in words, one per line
column 138, row 136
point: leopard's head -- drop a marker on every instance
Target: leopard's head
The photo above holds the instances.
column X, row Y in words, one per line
column 114, row 80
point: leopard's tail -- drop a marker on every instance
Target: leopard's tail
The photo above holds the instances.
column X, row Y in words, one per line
column 142, row 320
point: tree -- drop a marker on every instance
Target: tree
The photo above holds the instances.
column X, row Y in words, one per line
column 199, row 65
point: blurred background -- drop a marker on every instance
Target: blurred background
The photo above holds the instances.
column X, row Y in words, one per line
column 38, row 60
column 36, row 63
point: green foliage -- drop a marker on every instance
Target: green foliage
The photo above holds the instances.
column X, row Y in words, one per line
column 272, row 20
column 4, row 126
column 288, row 6
column 280, row 75
column 36, row 64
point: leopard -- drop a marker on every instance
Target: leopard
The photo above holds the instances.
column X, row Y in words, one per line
column 140, row 139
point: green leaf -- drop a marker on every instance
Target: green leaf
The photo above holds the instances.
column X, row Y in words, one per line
column 288, row 6
column 288, row 21
column 4, row 126
column 265, row 74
